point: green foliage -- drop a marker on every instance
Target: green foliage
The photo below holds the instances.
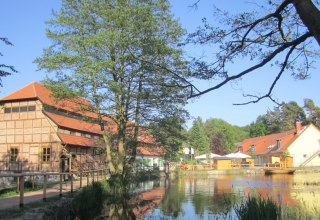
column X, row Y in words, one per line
column 283, row 118
column 197, row 137
column 3, row 67
column 8, row 192
column 223, row 136
column 257, row 128
column 121, row 56
column 258, row 208
column 313, row 112
column 173, row 199
column 89, row 201
column 170, row 133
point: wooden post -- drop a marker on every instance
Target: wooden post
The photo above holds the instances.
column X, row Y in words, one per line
column 80, row 179
column 32, row 181
column 93, row 176
column 71, row 179
column 60, row 194
column 44, row 187
column 88, row 178
column 21, row 190
column 18, row 184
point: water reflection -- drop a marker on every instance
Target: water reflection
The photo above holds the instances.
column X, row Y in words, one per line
column 214, row 197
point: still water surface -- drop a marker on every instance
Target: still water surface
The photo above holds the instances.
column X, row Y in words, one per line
column 214, row 197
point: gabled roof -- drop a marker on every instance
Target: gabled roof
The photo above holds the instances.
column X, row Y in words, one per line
column 75, row 124
column 37, row 90
column 268, row 144
column 78, row 141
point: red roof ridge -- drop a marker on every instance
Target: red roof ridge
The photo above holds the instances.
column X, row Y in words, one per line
column 9, row 96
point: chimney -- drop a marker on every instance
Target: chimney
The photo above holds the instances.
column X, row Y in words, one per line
column 298, row 127
column 278, row 144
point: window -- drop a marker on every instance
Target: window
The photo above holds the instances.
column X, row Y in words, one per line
column 15, row 109
column 23, row 108
column 46, row 153
column 13, row 154
column 253, row 148
column 31, row 108
column 240, row 149
column 7, row 110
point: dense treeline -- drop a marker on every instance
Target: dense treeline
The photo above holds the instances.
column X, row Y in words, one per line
column 283, row 118
column 218, row 136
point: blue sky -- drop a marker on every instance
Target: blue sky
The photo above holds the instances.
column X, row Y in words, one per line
column 23, row 23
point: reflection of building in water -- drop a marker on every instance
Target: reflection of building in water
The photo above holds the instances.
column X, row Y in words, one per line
column 198, row 185
column 149, row 200
column 277, row 187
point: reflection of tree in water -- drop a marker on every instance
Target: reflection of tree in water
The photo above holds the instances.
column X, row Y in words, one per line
column 218, row 203
column 222, row 203
column 173, row 200
column 201, row 203
column 100, row 201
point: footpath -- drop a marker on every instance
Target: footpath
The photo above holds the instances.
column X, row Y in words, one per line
column 37, row 196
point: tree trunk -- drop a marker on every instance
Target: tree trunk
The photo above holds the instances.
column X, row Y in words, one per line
column 108, row 153
column 310, row 16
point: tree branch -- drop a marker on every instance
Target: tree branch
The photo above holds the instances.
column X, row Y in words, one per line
column 257, row 66
column 268, row 95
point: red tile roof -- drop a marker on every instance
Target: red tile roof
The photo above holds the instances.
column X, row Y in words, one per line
column 268, row 144
column 78, row 141
column 147, row 151
column 74, row 124
column 37, row 90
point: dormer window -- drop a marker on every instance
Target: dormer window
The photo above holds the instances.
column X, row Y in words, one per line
column 240, row 149
column 253, row 148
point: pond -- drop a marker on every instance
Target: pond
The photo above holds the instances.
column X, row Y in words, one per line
column 214, row 197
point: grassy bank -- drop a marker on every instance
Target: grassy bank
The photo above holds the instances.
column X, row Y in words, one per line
column 258, row 208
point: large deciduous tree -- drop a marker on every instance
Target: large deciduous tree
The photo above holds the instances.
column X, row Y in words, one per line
column 282, row 33
column 6, row 70
column 222, row 135
column 170, row 133
column 117, row 55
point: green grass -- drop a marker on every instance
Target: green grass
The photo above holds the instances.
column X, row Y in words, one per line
column 10, row 192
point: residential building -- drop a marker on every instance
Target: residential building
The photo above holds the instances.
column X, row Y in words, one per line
column 41, row 133
column 301, row 144
column 150, row 158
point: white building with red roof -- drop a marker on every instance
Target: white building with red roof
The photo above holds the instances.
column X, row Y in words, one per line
column 302, row 144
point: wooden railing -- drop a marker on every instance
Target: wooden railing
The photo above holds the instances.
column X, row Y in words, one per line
column 95, row 175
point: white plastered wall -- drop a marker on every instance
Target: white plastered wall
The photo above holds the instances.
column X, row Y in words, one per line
column 306, row 145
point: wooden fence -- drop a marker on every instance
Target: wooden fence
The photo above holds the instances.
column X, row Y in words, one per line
column 94, row 174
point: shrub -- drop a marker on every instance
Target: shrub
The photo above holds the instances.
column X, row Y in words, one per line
column 258, row 208
column 89, row 201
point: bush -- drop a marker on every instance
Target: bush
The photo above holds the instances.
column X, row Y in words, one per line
column 258, row 208
column 89, row 201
